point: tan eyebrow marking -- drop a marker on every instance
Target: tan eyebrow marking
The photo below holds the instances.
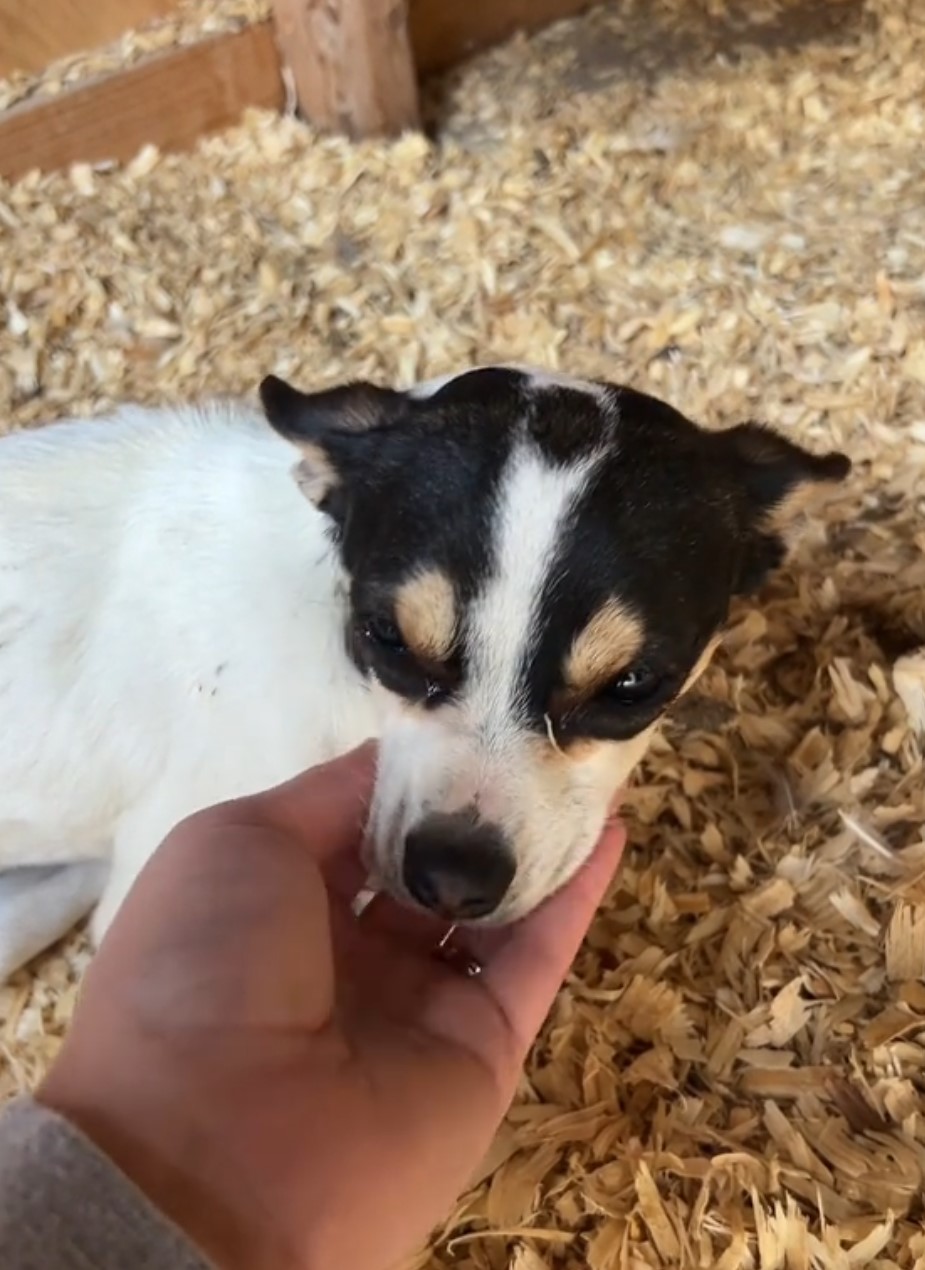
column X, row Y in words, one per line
column 610, row 640
column 425, row 610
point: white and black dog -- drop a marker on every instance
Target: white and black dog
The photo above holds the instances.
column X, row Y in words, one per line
column 506, row 575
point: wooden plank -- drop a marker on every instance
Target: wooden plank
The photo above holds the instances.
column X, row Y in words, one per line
column 351, row 63
column 169, row 100
column 444, row 33
column 36, row 32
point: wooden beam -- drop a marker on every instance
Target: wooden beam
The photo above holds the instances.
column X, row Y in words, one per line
column 444, row 32
column 351, row 63
column 34, row 33
column 169, row 100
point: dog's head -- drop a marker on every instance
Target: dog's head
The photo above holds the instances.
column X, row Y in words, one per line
column 538, row 567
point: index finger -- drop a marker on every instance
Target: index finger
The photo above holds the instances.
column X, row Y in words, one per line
column 527, row 970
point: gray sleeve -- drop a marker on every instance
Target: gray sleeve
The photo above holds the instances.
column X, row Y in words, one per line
column 65, row 1206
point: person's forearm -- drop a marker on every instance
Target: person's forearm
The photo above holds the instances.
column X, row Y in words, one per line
column 65, row 1206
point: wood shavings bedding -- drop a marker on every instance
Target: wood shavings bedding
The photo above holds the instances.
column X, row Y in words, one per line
column 191, row 21
column 667, row 195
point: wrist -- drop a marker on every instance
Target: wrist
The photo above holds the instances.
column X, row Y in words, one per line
column 182, row 1172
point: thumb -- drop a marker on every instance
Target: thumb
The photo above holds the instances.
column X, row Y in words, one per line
column 325, row 807
column 229, row 918
column 227, row 927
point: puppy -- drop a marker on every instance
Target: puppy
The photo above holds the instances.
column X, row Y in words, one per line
column 506, row 575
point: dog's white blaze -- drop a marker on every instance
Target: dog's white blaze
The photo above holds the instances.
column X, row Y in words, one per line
column 533, row 508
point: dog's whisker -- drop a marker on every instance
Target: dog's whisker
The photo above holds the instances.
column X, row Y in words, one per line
column 551, row 733
column 447, row 937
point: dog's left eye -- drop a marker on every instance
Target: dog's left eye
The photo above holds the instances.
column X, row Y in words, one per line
column 633, row 687
column 384, row 633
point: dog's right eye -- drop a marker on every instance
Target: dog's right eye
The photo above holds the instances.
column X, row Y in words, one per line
column 397, row 666
column 383, row 632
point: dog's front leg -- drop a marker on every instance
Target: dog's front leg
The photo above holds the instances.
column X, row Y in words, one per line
column 39, row 904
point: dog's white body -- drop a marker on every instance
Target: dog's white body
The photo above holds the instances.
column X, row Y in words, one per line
column 164, row 589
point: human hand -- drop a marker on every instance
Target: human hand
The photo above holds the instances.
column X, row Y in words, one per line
column 295, row 1087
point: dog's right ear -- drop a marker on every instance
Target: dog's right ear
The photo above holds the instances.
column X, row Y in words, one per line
column 331, row 431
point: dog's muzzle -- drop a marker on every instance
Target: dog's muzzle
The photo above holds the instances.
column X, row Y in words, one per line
column 457, row 866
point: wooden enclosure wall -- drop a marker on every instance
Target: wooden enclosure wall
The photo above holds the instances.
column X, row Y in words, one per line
column 356, row 66
column 36, row 32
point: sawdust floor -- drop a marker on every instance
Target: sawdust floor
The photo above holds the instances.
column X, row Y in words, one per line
column 728, row 212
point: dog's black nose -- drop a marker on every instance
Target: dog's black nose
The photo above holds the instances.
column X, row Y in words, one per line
column 457, row 867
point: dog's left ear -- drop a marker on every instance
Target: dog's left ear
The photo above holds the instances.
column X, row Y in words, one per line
column 331, row 430
column 781, row 482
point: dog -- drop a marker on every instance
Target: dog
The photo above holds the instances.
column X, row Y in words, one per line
column 506, row 575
